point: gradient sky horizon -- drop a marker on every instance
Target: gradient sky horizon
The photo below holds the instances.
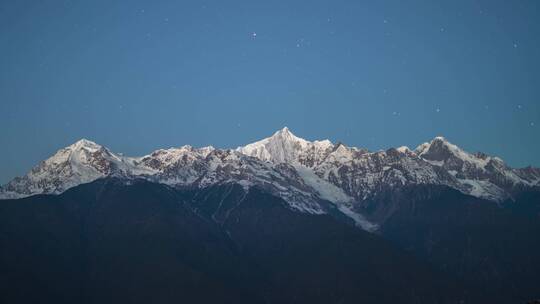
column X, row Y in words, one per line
column 136, row 76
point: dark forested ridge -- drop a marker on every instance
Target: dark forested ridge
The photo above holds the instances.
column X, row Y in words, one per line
column 491, row 248
column 115, row 242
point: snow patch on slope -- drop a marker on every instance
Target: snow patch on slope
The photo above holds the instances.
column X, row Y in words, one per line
column 484, row 189
column 332, row 193
column 359, row 219
column 325, row 189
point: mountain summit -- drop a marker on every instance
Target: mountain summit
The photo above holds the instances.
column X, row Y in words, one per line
column 309, row 175
column 285, row 147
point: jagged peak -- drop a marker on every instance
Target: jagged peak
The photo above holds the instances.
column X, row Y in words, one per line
column 206, row 150
column 84, row 143
column 286, row 135
column 283, row 146
column 440, row 149
column 281, row 136
column 341, row 147
column 186, row 147
column 422, row 147
column 324, row 142
column 403, row 149
column 338, row 144
column 442, row 141
column 175, row 152
column 284, row 130
column 436, row 141
column 79, row 147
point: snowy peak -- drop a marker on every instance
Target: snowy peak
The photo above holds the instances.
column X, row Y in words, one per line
column 285, row 147
column 443, row 153
column 84, row 144
column 405, row 150
column 81, row 162
column 80, row 149
column 478, row 174
column 286, row 134
column 438, row 149
column 81, row 153
column 166, row 157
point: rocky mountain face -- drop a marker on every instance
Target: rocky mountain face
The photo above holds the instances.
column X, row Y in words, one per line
column 312, row 177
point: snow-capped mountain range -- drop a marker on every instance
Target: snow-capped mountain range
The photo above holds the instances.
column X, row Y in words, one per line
column 311, row 176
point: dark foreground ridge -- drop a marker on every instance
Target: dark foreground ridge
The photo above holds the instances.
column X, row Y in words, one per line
column 113, row 241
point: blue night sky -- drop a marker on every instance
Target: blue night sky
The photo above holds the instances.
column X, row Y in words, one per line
column 140, row 75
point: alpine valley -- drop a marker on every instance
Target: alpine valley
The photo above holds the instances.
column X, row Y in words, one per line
column 280, row 220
